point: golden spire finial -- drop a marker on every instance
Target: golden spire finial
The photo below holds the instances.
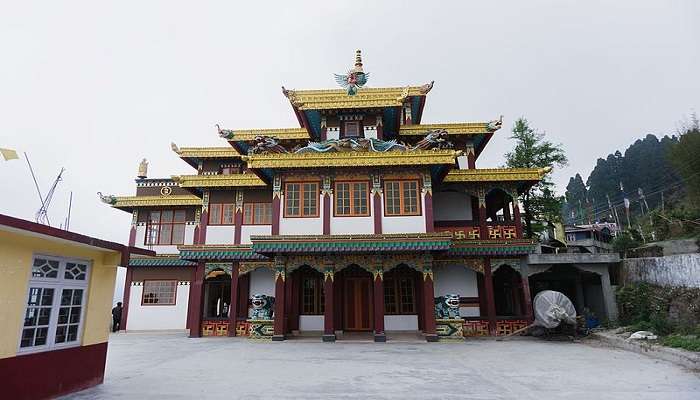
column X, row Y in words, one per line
column 358, row 61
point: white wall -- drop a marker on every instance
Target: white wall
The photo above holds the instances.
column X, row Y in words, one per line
column 162, row 249
column 249, row 230
column 412, row 224
column 462, row 162
column 352, row 225
column 311, row 322
column 302, row 226
column 157, row 317
column 401, row 322
column 370, row 132
column 332, row 133
column 451, row 206
column 455, row 279
column 220, row 234
column 262, row 281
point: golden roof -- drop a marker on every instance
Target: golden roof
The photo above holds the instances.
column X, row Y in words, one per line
column 280, row 133
column 495, row 174
column 365, row 97
column 155, row 201
column 207, row 152
column 351, row 159
column 460, row 128
column 234, row 180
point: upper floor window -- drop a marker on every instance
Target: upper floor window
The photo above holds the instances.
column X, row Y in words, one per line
column 351, row 129
column 230, row 169
column 159, row 293
column 351, row 198
column 165, row 227
column 257, row 214
column 56, row 299
column 301, row 199
column 401, row 198
column 221, row 213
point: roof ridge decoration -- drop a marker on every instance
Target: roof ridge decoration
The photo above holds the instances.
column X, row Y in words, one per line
column 354, row 79
column 251, row 134
column 205, row 152
column 434, row 140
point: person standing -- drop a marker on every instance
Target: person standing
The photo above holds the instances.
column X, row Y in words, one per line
column 117, row 317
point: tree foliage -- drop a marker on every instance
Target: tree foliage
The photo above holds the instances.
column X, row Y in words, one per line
column 685, row 157
column 532, row 150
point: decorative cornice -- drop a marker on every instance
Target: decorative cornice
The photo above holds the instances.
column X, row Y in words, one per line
column 365, row 98
column 459, row 128
column 207, row 152
column 352, row 159
column 153, row 201
column 279, row 133
column 496, row 175
column 235, row 180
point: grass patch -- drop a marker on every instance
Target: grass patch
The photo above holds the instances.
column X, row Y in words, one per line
column 691, row 342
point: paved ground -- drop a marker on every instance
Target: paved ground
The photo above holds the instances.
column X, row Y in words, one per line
column 171, row 366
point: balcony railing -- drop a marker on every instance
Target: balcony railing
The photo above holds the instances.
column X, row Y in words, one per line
column 495, row 232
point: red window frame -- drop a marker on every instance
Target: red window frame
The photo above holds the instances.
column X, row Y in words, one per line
column 250, row 213
column 353, row 196
column 159, row 227
column 402, row 197
column 302, row 199
column 217, row 218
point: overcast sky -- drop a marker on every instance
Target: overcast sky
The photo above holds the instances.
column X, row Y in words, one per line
column 94, row 87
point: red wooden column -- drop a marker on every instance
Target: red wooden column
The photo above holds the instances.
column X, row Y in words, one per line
column 276, row 200
column 125, row 298
column 328, row 303
column 471, row 158
column 280, row 316
column 428, row 199
column 195, row 301
column 326, row 194
column 378, row 296
column 134, row 223
column 238, row 218
column 377, row 203
column 203, row 219
column 483, row 227
column 517, row 219
column 429, row 302
column 490, row 300
column 233, row 307
column 506, row 211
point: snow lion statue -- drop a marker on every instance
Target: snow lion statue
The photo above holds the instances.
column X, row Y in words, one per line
column 447, row 307
column 263, row 306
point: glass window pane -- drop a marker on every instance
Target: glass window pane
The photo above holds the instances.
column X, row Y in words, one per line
column 228, row 213
column 292, row 200
column 155, row 217
column 178, row 234
column 27, row 338
column 165, row 234
column 40, row 338
column 179, row 216
column 166, row 216
column 248, row 214
column 214, row 214
column 43, row 268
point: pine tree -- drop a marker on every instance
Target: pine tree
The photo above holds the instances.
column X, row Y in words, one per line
column 532, row 151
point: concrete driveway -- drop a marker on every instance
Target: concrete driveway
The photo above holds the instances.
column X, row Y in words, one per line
column 171, row 366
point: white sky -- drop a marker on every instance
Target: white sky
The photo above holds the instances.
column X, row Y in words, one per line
column 94, row 86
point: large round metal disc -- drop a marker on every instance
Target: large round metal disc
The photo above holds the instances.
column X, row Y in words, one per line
column 552, row 308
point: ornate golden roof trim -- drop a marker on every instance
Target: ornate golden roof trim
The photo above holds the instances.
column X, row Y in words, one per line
column 153, row 201
column 459, row 128
column 236, row 180
column 280, row 133
column 496, row 174
column 351, row 159
column 365, row 98
column 207, row 152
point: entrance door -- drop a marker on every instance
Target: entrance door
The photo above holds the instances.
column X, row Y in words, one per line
column 358, row 304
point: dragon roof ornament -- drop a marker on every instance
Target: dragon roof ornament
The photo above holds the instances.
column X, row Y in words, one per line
column 495, row 125
column 434, row 140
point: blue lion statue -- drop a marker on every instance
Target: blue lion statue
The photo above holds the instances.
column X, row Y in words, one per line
column 447, row 307
column 263, row 306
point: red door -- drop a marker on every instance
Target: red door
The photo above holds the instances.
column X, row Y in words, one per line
column 358, row 304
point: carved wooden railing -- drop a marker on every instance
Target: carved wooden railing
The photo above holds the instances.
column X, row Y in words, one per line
column 496, row 232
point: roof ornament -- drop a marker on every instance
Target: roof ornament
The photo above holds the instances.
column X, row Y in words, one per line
column 426, row 88
column 292, row 96
column 143, row 169
column 434, row 140
column 265, row 145
column 174, row 147
column 107, row 198
column 224, row 133
column 355, row 78
column 495, row 125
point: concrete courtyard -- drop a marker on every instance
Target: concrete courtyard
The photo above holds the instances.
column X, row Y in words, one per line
column 171, row 366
